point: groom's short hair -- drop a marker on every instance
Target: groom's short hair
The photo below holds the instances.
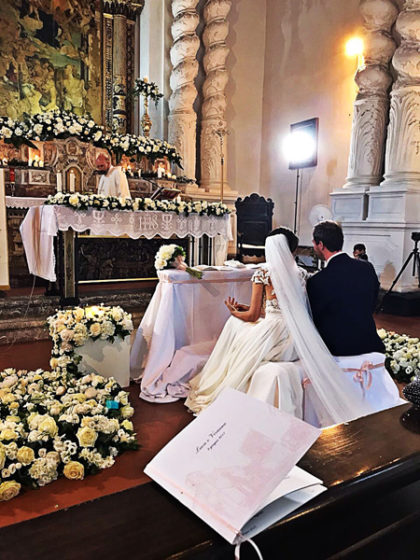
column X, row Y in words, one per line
column 331, row 235
column 292, row 239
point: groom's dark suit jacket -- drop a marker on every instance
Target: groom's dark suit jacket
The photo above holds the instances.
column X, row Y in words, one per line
column 343, row 297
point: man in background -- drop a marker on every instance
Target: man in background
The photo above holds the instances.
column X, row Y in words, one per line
column 359, row 252
column 113, row 181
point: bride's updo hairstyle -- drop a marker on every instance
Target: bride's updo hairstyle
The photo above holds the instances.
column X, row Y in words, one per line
column 292, row 239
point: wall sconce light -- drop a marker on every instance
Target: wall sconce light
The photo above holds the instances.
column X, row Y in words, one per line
column 355, row 48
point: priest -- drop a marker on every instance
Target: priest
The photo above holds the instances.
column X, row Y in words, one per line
column 113, row 181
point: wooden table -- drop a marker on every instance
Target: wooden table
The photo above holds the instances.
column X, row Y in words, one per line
column 371, row 510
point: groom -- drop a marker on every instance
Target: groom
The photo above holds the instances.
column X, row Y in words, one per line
column 343, row 296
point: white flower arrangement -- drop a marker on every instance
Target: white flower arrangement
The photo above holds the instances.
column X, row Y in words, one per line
column 80, row 201
column 147, row 89
column 172, row 256
column 62, row 124
column 71, row 328
column 402, row 355
column 53, row 424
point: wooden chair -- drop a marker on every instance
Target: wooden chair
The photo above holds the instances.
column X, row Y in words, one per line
column 254, row 221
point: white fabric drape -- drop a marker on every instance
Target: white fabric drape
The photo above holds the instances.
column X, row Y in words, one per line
column 338, row 396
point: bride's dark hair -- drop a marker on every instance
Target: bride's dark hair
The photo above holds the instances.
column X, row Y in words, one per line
column 292, row 239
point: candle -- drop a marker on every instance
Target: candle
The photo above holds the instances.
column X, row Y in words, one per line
column 5, row 161
column 129, row 170
column 159, row 172
column 139, row 173
column 41, row 163
column 36, row 161
column 178, row 198
column 72, row 181
column 59, row 183
column 30, row 162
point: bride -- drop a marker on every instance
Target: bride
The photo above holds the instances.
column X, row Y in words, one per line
column 284, row 334
column 253, row 335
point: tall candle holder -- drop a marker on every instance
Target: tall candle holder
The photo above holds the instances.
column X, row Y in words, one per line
column 221, row 132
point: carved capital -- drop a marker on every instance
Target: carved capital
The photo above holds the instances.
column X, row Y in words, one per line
column 129, row 8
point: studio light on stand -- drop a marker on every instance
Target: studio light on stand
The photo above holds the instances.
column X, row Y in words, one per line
column 301, row 150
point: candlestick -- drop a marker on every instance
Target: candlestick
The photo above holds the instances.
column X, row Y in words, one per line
column 72, row 181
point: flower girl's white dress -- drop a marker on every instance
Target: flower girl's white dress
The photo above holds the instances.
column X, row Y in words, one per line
column 241, row 348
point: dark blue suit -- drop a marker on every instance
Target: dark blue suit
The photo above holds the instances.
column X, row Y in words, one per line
column 343, row 297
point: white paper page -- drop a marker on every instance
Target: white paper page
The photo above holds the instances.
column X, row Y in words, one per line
column 278, row 510
column 226, row 462
column 296, row 479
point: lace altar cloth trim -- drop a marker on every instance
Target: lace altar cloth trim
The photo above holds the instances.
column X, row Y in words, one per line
column 140, row 224
column 23, row 201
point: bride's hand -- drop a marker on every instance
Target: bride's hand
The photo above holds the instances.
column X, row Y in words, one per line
column 231, row 304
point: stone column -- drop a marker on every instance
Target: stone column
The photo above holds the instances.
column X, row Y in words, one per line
column 182, row 117
column 214, row 99
column 119, row 55
column 402, row 157
column 371, row 105
column 115, row 63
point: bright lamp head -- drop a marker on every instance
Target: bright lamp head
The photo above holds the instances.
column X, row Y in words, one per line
column 300, row 148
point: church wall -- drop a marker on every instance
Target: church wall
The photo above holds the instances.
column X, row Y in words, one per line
column 244, row 90
column 307, row 75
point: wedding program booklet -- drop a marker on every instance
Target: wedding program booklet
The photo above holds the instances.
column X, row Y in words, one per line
column 234, row 465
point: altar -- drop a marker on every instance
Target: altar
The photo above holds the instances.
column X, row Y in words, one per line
column 42, row 224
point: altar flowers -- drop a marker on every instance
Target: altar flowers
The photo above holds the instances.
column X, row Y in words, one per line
column 54, row 424
column 72, row 328
column 402, row 355
column 173, row 256
column 79, row 201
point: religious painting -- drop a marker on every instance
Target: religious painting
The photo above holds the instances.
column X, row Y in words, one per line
column 50, row 57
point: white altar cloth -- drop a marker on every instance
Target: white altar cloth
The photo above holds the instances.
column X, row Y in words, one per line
column 41, row 224
column 24, row 201
column 180, row 328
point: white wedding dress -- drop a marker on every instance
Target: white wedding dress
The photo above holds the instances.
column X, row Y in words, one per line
column 241, row 349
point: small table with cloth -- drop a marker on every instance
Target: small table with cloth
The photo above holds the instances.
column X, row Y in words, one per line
column 181, row 326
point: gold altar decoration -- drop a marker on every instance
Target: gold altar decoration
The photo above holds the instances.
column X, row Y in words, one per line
column 146, row 121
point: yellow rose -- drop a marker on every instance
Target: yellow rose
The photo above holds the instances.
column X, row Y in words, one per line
column 74, row 200
column 7, row 434
column 14, row 405
column 48, row 426
column 127, row 425
column 80, row 397
column 2, row 456
column 25, row 455
column 95, row 329
column 74, row 470
column 127, row 411
column 14, row 419
column 78, row 314
column 53, row 363
column 86, row 436
column 9, row 490
column 8, row 398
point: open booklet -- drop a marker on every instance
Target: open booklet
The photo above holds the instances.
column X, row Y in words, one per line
column 234, row 465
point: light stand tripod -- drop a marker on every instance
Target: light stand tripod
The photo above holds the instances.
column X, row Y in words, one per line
column 415, row 236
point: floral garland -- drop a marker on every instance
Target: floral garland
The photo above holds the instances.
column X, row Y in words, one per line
column 147, row 89
column 402, row 355
column 52, row 424
column 99, row 202
column 72, row 328
column 62, row 124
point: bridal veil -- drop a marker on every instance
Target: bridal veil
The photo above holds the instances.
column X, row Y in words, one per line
column 338, row 399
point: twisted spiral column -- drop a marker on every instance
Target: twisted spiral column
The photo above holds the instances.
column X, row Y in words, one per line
column 371, row 106
column 214, row 99
column 182, row 117
column 402, row 156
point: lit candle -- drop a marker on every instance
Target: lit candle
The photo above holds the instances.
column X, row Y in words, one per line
column 41, row 163
column 30, row 162
column 36, row 161
column 59, row 183
column 178, row 198
column 5, row 161
column 72, row 181
column 159, row 172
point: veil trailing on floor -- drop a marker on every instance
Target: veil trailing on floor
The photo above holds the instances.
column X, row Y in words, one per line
column 339, row 399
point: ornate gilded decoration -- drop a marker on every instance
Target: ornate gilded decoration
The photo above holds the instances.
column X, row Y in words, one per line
column 129, row 8
column 50, row 57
